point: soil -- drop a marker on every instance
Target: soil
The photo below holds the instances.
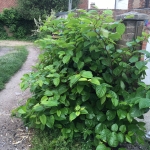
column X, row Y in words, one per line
column 13, row 134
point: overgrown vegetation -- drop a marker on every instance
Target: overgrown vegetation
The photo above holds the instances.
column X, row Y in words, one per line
column 11, row 63
column 36, row 9
column 18, row 22
column 84, row 86
column 14, row 26
column 53, row 140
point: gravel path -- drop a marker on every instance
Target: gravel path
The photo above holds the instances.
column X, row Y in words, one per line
column 13, row 135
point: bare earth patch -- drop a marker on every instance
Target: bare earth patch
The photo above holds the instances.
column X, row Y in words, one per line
column 13, row 134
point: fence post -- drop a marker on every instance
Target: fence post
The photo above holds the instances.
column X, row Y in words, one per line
column 134, row 27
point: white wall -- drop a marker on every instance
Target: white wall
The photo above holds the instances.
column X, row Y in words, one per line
column 103, row 4
column 110, row 4
column 147, row 78
column 122, row 4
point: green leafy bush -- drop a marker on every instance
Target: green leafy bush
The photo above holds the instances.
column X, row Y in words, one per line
column 19, row 27
column 33, row 9
column 84, row 85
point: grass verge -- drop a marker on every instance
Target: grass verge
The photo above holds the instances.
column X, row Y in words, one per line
column 11, row 63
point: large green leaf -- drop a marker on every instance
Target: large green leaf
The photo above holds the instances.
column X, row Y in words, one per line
column 129, row 117
column 121, row 114
column 95, row 81
column 80, row 65
column 105, row 134
column 100, row 90
column 49, row 103
column 102, row 147
column 120, row 28
column 74, row 79
column 122, row 128
column 86, row 43
column 50, row 121
column 136, row 112
column 21, row 111
column 80, row 88
column 79, row 54
column 72, row 116
column 106, row 62
column 140, row 64
column 99, row 128
column 56, row 81
column 108, row 12
column 110, row 114
column 91, row 34
column 101, row 117
column 115, row 101
column 133, row 59
column 122, row 85
column 114, row 127
column 48, row 93
column 148, row 95
column 144, row 103
column 43, row 119
column 113, row 140
column 128, row 139
column 38, row 107
column 105, row 33
column 66, row 59
column 86, row 74
column 108, row 78
column 120, row 137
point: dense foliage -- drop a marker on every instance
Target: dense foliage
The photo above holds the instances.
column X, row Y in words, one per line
column 17, row 26
column 33, row 9
column 84, row 85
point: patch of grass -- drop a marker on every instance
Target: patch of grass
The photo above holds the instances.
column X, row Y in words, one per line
column 11, row 63
column 52, row 140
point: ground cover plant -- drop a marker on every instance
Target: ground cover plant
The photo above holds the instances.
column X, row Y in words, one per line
column 11, row 63
column 86, row 87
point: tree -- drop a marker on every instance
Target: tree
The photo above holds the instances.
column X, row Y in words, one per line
column 33, row 9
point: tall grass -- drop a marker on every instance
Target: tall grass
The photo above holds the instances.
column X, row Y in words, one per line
column 11, row 63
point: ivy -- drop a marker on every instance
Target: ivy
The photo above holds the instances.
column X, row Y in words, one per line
column 85, row 86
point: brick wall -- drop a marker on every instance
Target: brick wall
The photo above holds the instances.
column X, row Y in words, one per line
column 136, row 4
column 7, row 4
column 83, row 4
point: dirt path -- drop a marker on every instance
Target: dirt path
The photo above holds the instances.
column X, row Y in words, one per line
column 13, row 135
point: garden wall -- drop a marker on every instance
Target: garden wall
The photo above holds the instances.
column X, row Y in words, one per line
column 7, row 4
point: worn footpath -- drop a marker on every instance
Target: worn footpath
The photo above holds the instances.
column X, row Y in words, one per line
column 13, row 134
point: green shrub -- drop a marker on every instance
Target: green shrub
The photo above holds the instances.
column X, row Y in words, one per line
column 19, row 27
column 84, row 85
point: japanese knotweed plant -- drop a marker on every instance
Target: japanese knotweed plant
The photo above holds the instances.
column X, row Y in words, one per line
column 84, row 85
